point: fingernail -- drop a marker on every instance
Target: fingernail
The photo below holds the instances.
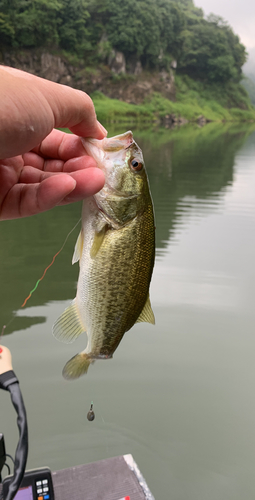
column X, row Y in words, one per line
column 102, row 128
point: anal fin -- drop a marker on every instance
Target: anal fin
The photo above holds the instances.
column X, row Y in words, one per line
column 68, row 326
column 147, row 314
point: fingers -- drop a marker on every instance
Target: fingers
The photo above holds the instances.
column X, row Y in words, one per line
column 24, row 200
column 52, row 165
column 26, row 116
column 45, row 190
column 71, row 108
column 31, row 107
column 88, row 181
column 60, row 145
column 78, row 114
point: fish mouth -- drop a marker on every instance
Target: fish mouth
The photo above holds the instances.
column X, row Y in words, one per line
column 112, row 144
column 130, row 145
column 119, row 142
column 109, row 148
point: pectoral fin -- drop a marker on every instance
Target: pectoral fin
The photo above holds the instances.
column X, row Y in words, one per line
column 78, row 248
column 68, row 326
column 97, row 241
column 147, row 315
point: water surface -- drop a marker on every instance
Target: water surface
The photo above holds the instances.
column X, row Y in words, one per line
column 178, row 396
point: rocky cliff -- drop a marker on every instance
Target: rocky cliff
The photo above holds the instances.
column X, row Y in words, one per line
column 112, row 79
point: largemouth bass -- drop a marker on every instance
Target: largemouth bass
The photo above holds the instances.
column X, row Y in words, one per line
column 116, row 250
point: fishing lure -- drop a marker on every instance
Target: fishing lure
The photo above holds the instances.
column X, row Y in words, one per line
column 91, row 414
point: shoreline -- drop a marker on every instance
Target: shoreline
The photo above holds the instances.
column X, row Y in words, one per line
column 163, row 112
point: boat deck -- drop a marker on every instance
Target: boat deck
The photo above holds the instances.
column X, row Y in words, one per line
column 110, row 479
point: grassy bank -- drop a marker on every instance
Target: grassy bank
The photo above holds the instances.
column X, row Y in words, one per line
column 193, row 101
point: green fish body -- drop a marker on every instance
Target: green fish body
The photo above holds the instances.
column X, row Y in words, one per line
column 116, row 250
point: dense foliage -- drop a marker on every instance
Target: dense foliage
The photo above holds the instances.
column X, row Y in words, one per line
column 153, row 32
column 249, row 84
column 211, row 48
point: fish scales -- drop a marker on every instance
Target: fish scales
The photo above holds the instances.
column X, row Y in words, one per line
column 113, row 302
column 116, row 252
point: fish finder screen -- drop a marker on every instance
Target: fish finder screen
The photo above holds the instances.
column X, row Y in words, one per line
column 24, row 494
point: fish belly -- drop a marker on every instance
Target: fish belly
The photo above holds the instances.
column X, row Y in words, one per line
column 113, row 286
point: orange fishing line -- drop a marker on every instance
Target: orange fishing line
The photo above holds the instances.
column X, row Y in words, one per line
column 28, row 297
column 45, row 271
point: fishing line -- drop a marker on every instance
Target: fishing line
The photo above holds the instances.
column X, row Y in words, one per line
column 2, row 333
column 37, row 283
column 52, row 262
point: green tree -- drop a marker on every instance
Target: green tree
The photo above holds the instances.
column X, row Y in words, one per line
column 152, row 31
column 73, row 31
column 212, row 52
column 37, row 22
column 31, row 22
column 132, row 27
column 147, row 29
column 172, row 24
column 7, row 12
column 7, row 31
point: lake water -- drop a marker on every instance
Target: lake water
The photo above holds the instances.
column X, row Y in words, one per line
column 180, row 395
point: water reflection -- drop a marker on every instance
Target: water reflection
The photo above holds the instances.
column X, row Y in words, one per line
column 178, row 396
column 193, row 166
column 27, row 247
column 188, row 167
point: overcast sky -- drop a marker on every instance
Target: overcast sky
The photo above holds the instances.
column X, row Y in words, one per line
column 240, row 14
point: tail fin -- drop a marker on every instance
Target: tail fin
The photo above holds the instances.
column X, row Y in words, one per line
column 77, row 366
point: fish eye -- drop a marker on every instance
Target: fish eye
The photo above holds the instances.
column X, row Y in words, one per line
column 136, row 165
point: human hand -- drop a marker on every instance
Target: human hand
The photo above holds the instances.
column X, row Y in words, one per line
column 42, row 167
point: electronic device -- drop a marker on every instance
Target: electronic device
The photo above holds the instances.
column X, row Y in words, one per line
column 36, row 485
